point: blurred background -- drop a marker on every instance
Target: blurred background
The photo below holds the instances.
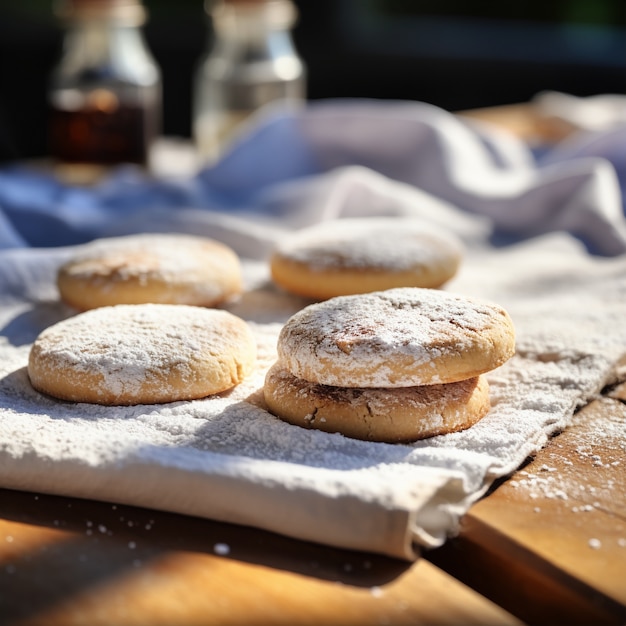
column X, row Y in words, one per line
column 452, row 53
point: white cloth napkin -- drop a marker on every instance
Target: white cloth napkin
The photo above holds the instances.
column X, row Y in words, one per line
column 226, row 458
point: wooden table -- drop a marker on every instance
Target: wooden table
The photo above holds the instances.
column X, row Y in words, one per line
column 549, row 544
column 69, row 562
column 546, row 546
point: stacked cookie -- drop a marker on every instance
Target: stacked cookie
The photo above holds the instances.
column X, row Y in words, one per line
column 395, row 365
column 361, row 255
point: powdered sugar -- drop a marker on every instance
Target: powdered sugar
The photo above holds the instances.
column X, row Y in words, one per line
column 384, row 243
column 227, row 458
column 172, row 268
column 168, row 257
column 365, row 337
column 124, row 350
column 585, row 461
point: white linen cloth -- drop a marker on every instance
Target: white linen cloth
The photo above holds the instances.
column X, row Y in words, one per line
column 226, row 458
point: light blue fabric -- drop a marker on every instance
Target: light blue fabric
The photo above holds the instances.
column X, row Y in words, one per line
column 295, row 167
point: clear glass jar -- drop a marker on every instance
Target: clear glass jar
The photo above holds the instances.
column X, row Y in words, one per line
column 105, row 92
column 252, row 61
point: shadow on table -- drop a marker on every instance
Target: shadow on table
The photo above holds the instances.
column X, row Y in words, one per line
column 88, row 543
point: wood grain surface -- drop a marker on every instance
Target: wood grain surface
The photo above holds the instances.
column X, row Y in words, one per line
column 549, row 544
column 68, row 562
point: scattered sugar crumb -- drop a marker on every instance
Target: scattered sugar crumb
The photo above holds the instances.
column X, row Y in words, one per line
column 594, row 543
column 546, row 468
column 542, row 486
column 377, row 592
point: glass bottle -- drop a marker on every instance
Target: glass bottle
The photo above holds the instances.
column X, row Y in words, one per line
column 105, row 92
column 252, row 61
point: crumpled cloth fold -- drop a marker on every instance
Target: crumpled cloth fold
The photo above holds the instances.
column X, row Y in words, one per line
column 295, row 167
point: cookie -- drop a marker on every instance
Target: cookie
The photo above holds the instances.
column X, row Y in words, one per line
column 386, row 415
column 150, row 268
column 396, row 338
column 362, row 255
column 142, row 354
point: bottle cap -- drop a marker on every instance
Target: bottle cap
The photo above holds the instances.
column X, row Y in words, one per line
column 280, row 13
column 130, row 12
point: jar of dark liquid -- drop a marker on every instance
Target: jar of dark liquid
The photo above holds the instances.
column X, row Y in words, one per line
column 105, row 93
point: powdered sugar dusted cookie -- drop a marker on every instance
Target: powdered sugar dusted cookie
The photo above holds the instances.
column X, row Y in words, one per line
column 361, row 255
column 396, row 338
column 390, row 415
column 142, row 354
column 150, row 268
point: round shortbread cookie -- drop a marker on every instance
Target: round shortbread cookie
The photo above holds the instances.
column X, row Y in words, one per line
column 150, row 268
column 142, row 354
column 390, row 415
column 396, row 338
column 362, row 255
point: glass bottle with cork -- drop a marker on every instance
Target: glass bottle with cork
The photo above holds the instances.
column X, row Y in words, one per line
column 105, row 92
column 252, row 61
